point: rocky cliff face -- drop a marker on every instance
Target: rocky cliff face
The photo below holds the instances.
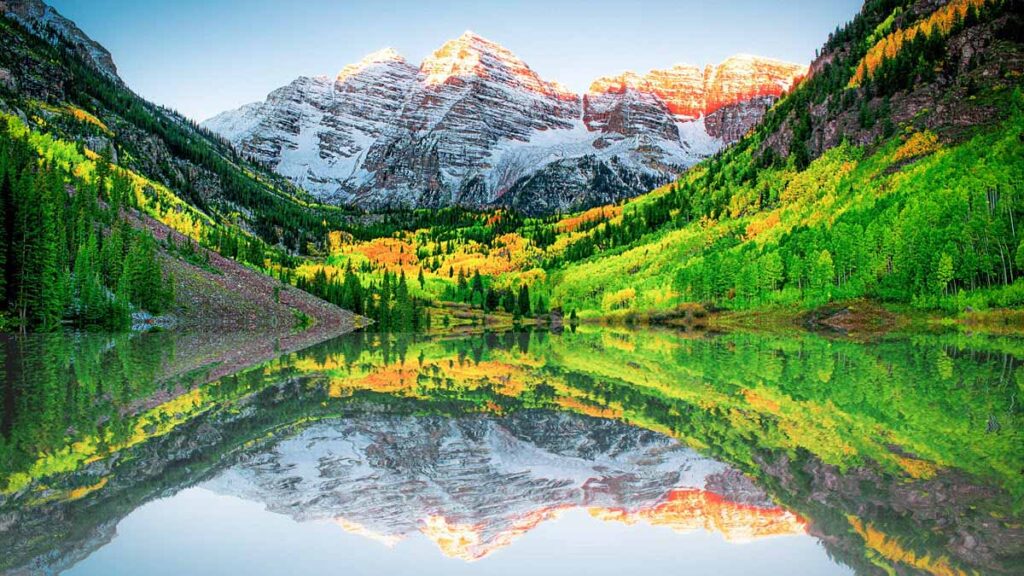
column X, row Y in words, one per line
column 941, row 92
column 689, row 92
column 44, row 20
column 473, row 125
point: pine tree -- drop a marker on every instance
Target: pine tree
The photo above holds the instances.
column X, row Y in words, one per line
column 51, row 292
column 542, row 307
column 352, row 292
column 385, row 309
column 91, row 298
column 122, row 303
column 146, row 286
column 523, row 307
column 403, row 306
column 27, row 242
column 5, row 208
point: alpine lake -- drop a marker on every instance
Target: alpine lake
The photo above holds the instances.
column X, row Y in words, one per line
column 595, row 450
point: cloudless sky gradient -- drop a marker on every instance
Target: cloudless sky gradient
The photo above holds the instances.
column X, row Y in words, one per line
column 202, row 57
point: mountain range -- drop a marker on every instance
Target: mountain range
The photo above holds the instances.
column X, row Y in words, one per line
column 474, row 126
column 886, row 173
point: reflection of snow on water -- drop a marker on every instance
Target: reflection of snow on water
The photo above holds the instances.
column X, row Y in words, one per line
column 472, row 484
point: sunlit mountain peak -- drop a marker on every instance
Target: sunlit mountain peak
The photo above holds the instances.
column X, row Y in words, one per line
column 382, row 56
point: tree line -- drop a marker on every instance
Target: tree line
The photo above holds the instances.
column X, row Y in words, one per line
column 388, row 302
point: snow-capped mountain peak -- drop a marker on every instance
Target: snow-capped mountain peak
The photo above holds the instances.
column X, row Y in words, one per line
column 382, row 56
column 472, row 55
column 474, row 125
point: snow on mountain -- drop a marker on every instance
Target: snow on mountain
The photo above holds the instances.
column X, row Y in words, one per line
column 473, row 125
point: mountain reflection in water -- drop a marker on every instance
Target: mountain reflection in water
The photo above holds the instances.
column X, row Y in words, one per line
column 474, row 484
column 900, row 455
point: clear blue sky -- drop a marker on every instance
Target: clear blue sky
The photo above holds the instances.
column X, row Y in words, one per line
column 205, row 56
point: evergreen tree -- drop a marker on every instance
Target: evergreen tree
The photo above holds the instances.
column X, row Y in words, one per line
column 28, row 249
column 51, row 280
column 523, row 306
column 6, row 191
column 403, row 306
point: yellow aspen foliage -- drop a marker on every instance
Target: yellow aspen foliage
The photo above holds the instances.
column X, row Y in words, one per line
column 890, row 548
column 919, row 144
column 618, row 300
column 336, row 239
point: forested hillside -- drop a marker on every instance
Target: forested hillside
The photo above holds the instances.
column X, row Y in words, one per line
column 54, row 90
column 893, row 173
column 66, row 251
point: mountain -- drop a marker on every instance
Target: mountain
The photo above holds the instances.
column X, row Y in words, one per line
column 733, row 96
column 887, row 175
column 37, row 16
column 158, row 202
column 59, row 81
column 474, row 126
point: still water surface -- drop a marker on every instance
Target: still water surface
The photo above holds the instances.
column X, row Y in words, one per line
column 597, row 451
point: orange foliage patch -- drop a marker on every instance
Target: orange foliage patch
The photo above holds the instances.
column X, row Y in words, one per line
column 890, row 549
column 761, row 403
column 391, row 380
column 764, row 224
column 572, row 223
column 919, row 144
column 87, row 118
column 589, row 409
column 917, row 468
column 84, row 491
column 941, row 21
column 392, row 253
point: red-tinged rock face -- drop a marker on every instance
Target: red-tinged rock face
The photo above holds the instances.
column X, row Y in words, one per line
column 743, row 78
column 690, row 92
column 682, row 89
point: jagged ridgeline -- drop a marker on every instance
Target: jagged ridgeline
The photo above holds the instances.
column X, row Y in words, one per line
column 892, row 172
column 473, row 125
